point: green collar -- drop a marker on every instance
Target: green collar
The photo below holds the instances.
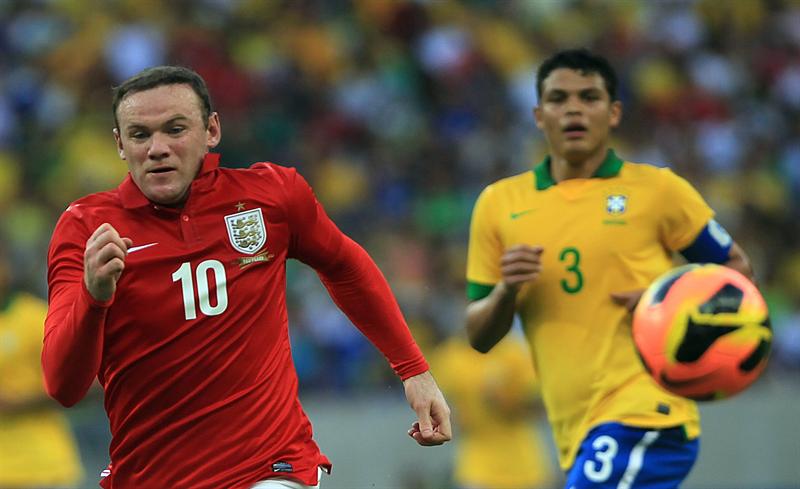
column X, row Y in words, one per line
column 609, row 168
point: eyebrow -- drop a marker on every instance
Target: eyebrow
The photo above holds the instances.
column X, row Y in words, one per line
column 582, row 91
column 172, row 120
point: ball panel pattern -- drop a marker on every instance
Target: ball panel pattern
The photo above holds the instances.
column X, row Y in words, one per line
column 703, row 331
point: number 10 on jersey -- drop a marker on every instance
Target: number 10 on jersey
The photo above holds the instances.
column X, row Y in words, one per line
column 188, row 280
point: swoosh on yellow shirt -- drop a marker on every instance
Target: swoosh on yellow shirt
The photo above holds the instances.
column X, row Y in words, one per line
column 516, row 215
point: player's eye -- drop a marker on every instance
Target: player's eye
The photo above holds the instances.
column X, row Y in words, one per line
column 139, row 135
column 176, row 129
column 591, row 96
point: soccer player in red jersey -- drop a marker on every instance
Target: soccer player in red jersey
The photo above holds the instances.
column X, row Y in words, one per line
column 171, row 291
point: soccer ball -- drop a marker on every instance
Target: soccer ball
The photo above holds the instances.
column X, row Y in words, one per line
column 703, row 331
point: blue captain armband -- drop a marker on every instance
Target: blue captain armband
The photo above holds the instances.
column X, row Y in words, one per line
column 712, row 245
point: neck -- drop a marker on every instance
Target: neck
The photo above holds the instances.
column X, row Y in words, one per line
column 563, row 168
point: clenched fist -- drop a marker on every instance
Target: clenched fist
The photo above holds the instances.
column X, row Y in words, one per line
column 104, row 261
column 520, row 264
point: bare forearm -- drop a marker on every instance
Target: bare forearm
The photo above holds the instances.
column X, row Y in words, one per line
column 489, row 319
column 740, row 262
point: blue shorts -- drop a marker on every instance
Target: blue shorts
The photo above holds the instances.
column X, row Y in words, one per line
column 615, row 456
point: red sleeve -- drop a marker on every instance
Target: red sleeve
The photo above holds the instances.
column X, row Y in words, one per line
column 352, row 278
column 73, row 340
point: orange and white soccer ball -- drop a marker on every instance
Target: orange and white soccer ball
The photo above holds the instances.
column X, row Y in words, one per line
column 703, row 331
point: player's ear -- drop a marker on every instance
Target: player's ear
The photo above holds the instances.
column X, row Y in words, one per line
column 615, row 113
column 213, row 131
column 118, row 140
column 537, row 114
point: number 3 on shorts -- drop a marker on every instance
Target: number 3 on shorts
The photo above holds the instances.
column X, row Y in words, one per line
column 599, row 469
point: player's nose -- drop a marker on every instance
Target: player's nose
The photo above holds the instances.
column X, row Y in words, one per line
column 573, row 106
column 159, row 148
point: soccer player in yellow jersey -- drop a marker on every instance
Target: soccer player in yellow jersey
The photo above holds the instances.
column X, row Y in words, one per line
column 570, row 246
column 37, row 449
column 495, row 407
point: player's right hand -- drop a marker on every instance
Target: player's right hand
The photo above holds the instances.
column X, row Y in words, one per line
column 103, row 261
column 521, row 264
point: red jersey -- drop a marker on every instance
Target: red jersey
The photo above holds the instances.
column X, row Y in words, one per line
column 193, row 349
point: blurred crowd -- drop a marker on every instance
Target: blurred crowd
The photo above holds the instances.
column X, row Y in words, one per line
column 399, row 113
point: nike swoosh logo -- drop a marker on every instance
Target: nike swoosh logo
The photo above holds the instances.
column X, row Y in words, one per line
column 517, row 215
column 137, row 248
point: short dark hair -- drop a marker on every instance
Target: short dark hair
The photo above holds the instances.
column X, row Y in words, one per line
column 163, row 75
column 581, row 60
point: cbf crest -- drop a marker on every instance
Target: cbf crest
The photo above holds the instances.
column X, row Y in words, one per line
column 247, row 230
column 616, row 204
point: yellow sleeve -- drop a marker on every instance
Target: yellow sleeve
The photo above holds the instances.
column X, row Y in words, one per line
column 485, row 246
column 686, row 213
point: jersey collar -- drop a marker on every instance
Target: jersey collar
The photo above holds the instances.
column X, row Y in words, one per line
column 609, row 168
column 132, row 197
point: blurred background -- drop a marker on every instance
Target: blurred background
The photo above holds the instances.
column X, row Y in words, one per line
column 399, row 113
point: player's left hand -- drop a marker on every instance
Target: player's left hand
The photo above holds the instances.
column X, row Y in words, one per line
column 627, row 299
column 433, row 413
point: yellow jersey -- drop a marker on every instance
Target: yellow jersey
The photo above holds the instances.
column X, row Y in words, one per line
column 615, row 232
column 37, row 448
column 493, row 397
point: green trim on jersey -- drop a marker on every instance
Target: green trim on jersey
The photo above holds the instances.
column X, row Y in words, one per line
column 609, row 168
column 602, row 235
column 477, row 291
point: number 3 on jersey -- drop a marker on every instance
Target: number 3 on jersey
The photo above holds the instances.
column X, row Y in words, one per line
column 572, row 259
column 184, row 275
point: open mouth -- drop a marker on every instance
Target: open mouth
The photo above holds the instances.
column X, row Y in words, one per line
column 164, row 169
column 574, row 130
